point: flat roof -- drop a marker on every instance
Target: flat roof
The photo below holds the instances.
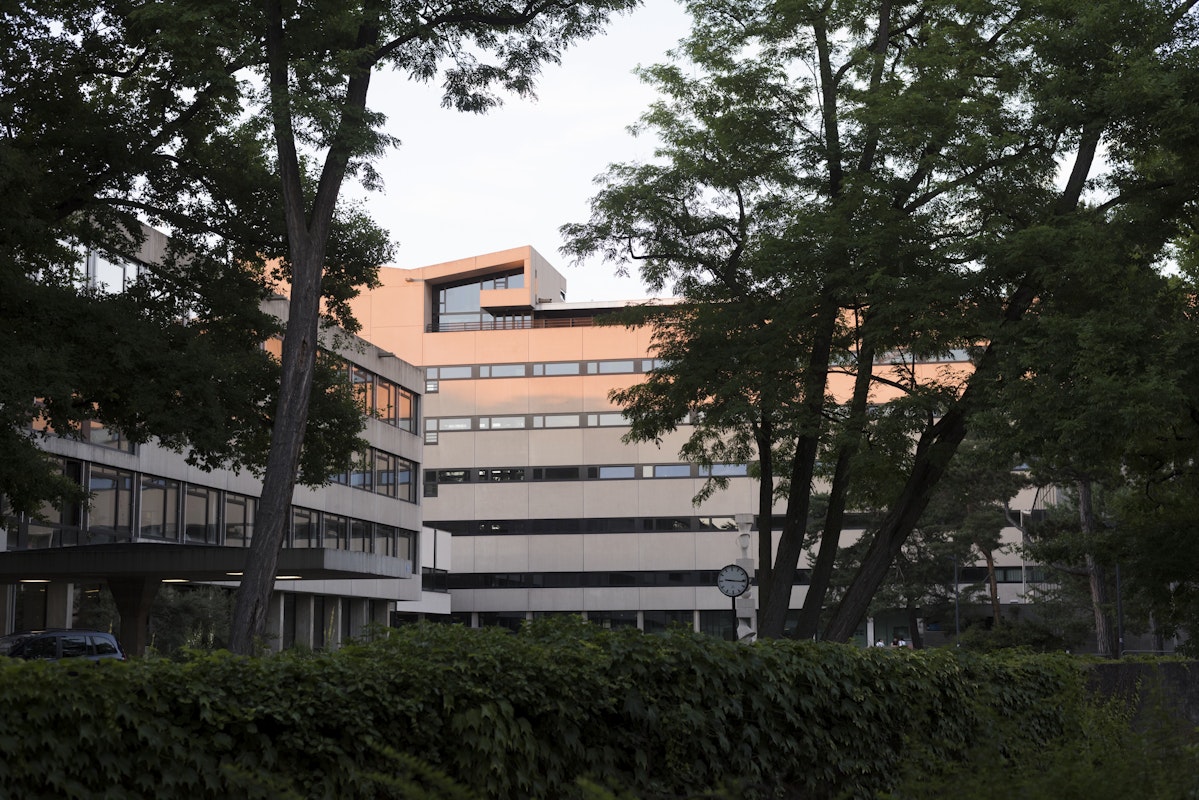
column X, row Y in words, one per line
column 96, row 562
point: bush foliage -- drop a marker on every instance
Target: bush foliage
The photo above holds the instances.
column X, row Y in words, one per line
column 563, row 709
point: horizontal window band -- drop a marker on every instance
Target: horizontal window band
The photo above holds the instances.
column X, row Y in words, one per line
column 692, row 524
column 572, row 472
column 633, row 579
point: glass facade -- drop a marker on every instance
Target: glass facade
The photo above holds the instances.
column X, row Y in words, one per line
column 459, row 305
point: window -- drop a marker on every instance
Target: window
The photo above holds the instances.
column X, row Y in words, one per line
column 609, row 367
column 454, row 424
column 406, row 545
column 459, row 306
column 385, row 473
column 93, row 432
column 557, row 368
column 385, row 540
column 405, row 415
column 111, row 516
column 672, row 471
column 159, row 509
column 559, row 473
column 724, row 470
column 501, row 423
column 360, row 536
column 111, row 276
column 56, row 526
column 200, row 516
column 406, row 479
column 239, row 520
column 336, row 530
column 606, row 420
column 362, row 474
column 613, row 619
column 556, row 421
column 501, row 475
column 605, row 473
column 502, row 371
column 384, row 404
column 363, row 383
column 304, row 528
column 510, row 280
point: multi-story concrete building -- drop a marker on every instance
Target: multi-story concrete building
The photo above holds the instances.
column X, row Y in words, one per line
column 352, row 549
column 550, row 511
column 492, row 435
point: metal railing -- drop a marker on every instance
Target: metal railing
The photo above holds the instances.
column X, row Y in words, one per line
column 511, row 325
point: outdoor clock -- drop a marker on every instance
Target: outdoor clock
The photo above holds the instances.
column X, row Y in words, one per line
column 732, row 580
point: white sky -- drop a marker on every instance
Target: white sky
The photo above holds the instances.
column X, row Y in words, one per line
column 466, row 184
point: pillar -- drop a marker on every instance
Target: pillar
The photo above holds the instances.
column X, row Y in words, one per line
column 133, row 597
column 304, row 621
column 60, row 605
column 272, row 634
column 7, row 607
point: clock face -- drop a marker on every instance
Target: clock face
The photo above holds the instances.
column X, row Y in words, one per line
column 732, row 580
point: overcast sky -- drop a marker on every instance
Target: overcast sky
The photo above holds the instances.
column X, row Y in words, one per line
column 465, row 184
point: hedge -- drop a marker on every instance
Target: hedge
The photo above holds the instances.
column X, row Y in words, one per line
column 447, row 712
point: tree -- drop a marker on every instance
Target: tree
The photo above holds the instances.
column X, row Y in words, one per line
column 316, row 70
column 236, row 126
column 851, row 184
column 105, row 124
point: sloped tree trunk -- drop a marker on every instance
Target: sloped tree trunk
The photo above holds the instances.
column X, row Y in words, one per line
column 308, row 236
column 992, row 585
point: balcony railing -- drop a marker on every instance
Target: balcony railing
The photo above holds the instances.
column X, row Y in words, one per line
column 511, row 325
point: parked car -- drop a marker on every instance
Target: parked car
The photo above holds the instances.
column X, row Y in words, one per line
column 59, row 643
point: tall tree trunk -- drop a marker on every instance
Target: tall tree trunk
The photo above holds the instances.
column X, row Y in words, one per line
column 941, row 441
column 936, row 447
column 1096, row 574
column 307, row 236
column 992, row 583
column 830, row 536
column 777, row 602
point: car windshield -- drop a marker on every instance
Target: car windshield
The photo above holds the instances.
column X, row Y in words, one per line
column 7, row 643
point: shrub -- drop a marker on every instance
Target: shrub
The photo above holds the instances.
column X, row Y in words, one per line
column 528, row 715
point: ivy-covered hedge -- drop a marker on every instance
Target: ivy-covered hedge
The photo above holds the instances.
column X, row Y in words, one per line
column 521, row 716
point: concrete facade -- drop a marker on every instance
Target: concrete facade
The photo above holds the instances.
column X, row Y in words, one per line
column 352, row 550
column 549, row 510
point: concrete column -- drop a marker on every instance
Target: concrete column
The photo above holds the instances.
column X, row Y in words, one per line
column 870, row 640
column 332, row 622
column 381, row 612
column 356, row 608
column 60, row 605
column 7, row 605
column 272, row 634
column 133, row 597
column 304, row 623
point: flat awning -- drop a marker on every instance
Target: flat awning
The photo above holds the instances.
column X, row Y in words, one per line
column 97, row 562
